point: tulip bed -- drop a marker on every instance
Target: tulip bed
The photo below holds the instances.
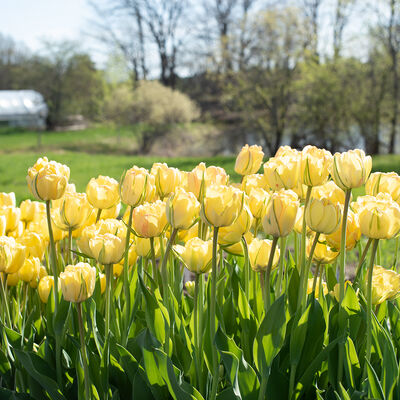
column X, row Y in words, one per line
column 97, row 306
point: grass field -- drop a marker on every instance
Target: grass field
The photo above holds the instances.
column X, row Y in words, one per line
column 99, row 151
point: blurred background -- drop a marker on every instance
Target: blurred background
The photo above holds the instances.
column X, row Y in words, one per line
column 103, row 84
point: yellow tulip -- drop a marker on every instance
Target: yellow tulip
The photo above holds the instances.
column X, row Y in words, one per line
column 221, row 205
column 232, row 234
column 137, row 186
column 73, row 212
column 314, row 166
column 329, row 190
column 47, row 180
column 34, row 243
column 336, row 290
column 107, row 248
column 259, row 252
column 102, row 192
column 7, row 245
column 12, row 215
column 7, row 199
column 310, row 283
column 18, row 259
column 189, row 285
column 78, row 282
column 44, row 288
column 149, row 219
column 143, row 246
column 29, row 270
column 282, row 172
column 166, row 178
column 3, row 225
column 253, row 181
column 298, row 225
column 102, row 278
column 258, row 199
column 385, row 285
column 12, row 279
column 249, row 160
column 284, row 151
column 351, row 168
column 323, row 216
column 280, row 213
column 237, row 248
column 182, row 209
column 18, row 231
column 353, row 233
column 31, row 208
column 323, row 253
column 384, row 182
column 196, row 254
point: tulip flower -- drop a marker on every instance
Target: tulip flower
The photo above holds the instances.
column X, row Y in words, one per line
column 182, row 209
column 314, row 166
column 253, row 181
column 380, row 182
column 196, row 254
column 323, row 216
column 102, row 193
column 249, row 160
column 137, row 186
column 166, row 178
column 107, row 248
column 282, row 172
column 30, row 208
column 29, row 270
column 7, row 199
column 44, row 288
column 385, row 285
column 259, row 254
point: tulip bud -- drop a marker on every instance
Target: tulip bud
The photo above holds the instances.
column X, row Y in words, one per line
column 166, row 178
column 282, row 172
column 249, row 160
column 189, row 285
column 44, row 288
column 310, row 283
column 259, row 252
column 107, row 248
column 137, row 186
column 257, row 201
column 182, row 209
column 29, row 270
column 314, row 166
column 351, row 168
column 221, row 205
column 323, row 216
column 83, row 242
column 47, row 180
column 78, row 282
column 102, row 192
column 280, row 213
column 196, row 255
column 149, row 219
column 18, row 259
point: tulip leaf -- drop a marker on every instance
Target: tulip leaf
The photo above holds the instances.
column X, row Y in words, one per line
column 375, row 387
column 351, row 363
column 270, row 336
column 61, row 318
column 298, row 335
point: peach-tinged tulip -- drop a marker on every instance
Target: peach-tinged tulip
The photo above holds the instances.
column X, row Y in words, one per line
column 280, row 213
column 137, row 186
column 323, row 216
column 196, row 255
column 351, row 168
column 182, row 209
column 149, row 219
column 315, row 164
column 102, row 192
column 107, row 248
column 78, row 282
column 259, row 252
column 47, row 180
column 221, row 205
column 249, row 160
column 44, row 288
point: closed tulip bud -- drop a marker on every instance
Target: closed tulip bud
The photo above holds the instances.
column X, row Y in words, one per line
column 7, row 245
column 380, row 182
column 29, row 270
column 78, row 282
column 118, row 268
column 237, row 248
column 12, row 279
column 107, row 248
column 44, row 288
column 18, row 259
column 259, row 252
column 13, row 216
column 353, row 233
column 280, row 213
column 102, row 278
column 351, row 169
column 166, row 178
column 221, row 205
column 47, row 180
column 385, row 285
column 182, row 209
column 232, row 234
column 189, row 285
column 253, row 181
column 136, row 186
column 323, row 216
column 314, row 166
column 202, row 177
column 29, row 209
column 196, row 254
column 257, row 201
column 298, row 225
column 249, row 160
column 323, row 253
column 282, row 172
column 7, row 199
column 149, row 219
column 102, row 192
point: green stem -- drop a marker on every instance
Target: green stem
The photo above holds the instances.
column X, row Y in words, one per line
column 196, row 327
column 127, row 294
column 215, row 371
column 363, row 255
column 263, row 386
column 83, row 351
column 342, row 265
column 201, row 324
column 396, row 253
column 296, row 249
column 303, row 250
column 69, row 246
column 52, row 256
column 293, row 368
column 109, row 272
column 314, row 285
column 369, row 303
column 153, row 259
column 98, row 214
column 307, row 270
column 4, row 298
column 246, row 266
column 268, row 274
column 281, row 267
column 263, row 291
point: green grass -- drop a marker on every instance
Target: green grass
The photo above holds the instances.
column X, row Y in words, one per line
column 100, row 151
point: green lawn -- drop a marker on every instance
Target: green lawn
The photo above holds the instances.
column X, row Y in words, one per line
column 100, row 151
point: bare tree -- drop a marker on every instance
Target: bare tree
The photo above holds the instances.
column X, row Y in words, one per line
column 342, row 13
column 311, row 11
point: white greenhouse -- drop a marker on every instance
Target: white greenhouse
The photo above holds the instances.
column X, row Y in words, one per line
column 22, row 108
